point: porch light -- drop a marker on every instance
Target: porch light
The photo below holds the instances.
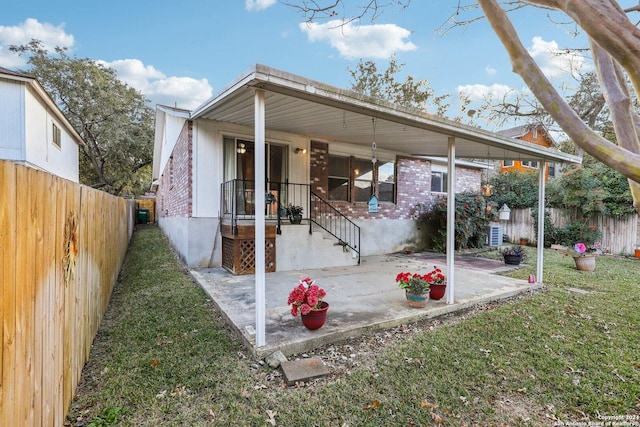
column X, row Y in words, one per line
column 300, row 150
column 241, row 148
column 505, row 213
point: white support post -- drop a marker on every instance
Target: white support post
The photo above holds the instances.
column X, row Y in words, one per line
column 541, row 210
column 260, row 172
column 451, row 218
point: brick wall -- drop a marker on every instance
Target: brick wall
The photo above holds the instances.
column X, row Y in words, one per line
column 413, row 186
column 174, row 196
column 468, row 179
column 319, row 159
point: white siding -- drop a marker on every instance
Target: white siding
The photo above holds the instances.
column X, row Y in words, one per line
column 171, row 131
column 12, row 127
column 26, row 132
column 208, row 160
column 207, row 169
column 41, row 152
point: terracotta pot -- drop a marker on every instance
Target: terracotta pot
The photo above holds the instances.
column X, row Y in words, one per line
column 316, row 318
column 437, row 290
column 637, row 253
column 417, row 300
column 585, row 263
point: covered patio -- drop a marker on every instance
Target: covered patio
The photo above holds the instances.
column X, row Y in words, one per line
column 270, row 100
column 362, row 298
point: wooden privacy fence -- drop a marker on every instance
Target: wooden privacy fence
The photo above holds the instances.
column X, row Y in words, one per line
column 619, row 236
column 61, row 248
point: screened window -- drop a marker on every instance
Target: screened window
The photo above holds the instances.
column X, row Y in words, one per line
column 56, row 136
column 362, row 180
column 507, row 163
column 339, row 181
column 439, row 182
column 552, row 169
column 387, row 182
column 352, row 179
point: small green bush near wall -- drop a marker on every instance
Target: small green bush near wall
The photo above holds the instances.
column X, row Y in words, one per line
column 471, row 222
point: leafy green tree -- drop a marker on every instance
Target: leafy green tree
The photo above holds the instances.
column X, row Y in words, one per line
column 516, row 189
column 112, row 118
column 366, row 79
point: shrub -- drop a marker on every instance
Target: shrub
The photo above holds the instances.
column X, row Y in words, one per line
column 516, row 189
column 550, row 230
column 471, row 222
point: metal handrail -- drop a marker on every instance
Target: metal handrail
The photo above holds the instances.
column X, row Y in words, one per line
column 238, row 202
column 334, row 222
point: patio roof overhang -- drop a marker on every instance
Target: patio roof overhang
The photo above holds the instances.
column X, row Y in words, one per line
column 326, row 113
column 266, row 98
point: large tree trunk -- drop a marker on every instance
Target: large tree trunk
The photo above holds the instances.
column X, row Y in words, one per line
column 605, row 23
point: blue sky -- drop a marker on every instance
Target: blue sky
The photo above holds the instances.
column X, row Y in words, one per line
column 182, row 53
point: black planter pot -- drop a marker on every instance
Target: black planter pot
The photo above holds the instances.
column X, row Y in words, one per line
column 512, row 259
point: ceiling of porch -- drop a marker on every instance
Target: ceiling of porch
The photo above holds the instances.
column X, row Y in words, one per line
column 322, row 112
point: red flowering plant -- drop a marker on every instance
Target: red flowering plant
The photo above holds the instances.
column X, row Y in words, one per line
column 436, row 277
column 305, row 297
column 413, row 283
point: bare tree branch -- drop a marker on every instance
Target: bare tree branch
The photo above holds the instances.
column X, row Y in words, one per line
column 616, row 157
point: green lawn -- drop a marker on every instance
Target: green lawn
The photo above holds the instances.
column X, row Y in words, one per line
column 164, row 356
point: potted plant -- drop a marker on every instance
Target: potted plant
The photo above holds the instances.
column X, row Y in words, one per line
column 294, row 213
column 524, row 241
column 437, row 283
column 306, row 299
column 416, row 288
column 585, row 261
column 513, row 255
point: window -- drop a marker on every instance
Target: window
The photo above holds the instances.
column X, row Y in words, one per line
column 507, row 163
column 529, row 164
column 439, row 182
column 387, row 182
column 339, row 182
column 56, row 136
column 352, row 179
column 552, row 169
column 362, row 180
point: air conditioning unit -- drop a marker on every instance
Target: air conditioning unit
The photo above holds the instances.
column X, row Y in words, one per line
column 495, row 234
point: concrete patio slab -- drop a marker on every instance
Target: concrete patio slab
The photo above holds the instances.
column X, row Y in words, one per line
column 362, row 298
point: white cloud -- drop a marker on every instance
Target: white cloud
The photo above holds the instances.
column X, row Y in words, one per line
column 185, row 92
column 50, row 36
column 365, row 41
column 252, row 5
column 490, row 70
column 553, row 61
column 478, row 92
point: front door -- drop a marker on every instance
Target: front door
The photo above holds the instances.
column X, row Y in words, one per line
column 240, row 165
